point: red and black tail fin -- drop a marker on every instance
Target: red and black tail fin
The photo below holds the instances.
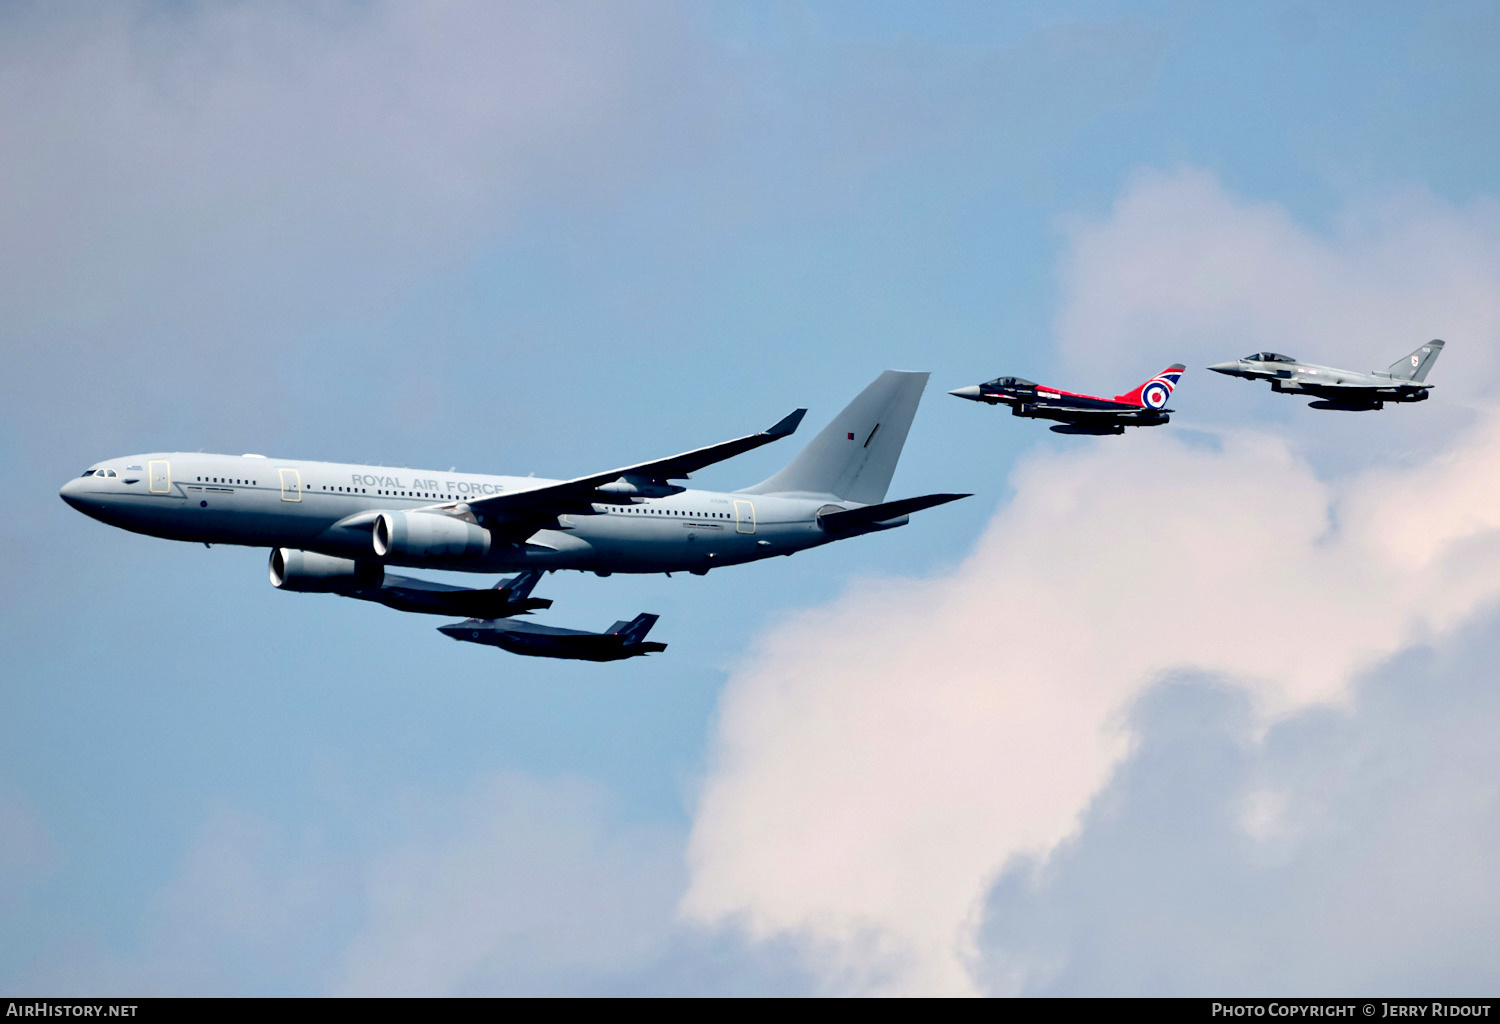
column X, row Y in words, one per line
column 1154, row 393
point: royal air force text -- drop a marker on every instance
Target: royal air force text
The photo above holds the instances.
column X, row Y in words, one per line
column 467, row 488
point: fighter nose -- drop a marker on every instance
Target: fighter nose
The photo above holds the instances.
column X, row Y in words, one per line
column 970, row 392
column 1232, row 367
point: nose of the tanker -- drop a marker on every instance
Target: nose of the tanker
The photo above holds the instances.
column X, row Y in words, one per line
column 72, row 492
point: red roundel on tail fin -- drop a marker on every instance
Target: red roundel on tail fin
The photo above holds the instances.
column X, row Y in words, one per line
column 1155, row 392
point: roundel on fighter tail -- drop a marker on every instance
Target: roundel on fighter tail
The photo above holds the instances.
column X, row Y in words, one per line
column 1155, row 394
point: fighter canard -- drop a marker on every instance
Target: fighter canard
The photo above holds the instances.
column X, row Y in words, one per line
column 620, row 641
column 1146, row 406
column 337, row 528
column 1347, row 390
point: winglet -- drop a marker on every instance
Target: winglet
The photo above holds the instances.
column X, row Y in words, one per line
column 787, row 424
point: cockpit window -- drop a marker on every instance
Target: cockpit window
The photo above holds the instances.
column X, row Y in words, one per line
column 110, row 472
column 1270, row 357
column 1010, row 382
column 88, row 472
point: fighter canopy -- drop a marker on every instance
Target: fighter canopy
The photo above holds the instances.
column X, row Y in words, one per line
column 1009, row 382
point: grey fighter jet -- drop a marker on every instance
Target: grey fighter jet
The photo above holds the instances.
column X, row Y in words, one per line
column 1346, row 390
column 620, row 641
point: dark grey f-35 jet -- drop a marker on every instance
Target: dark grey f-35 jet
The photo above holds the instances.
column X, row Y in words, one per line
column 1348, row 390
column 620, row 641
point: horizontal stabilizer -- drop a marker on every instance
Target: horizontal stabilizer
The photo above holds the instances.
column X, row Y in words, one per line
column 854, row 518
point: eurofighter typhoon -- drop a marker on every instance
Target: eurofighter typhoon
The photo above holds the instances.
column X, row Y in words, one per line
column 1345, row 390
column 340, row 528
column 1145, row 406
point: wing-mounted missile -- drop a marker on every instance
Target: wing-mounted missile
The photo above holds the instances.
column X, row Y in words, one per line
column 620, row 641
column 367, row 580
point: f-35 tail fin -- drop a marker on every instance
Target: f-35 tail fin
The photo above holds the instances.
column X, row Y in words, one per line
column 855, row 456
column 1415, row 366
column 1153, row 394
column 521, row 585
column 636, row 629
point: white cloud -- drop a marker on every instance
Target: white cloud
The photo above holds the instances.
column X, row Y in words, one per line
column 1372, row 877
column 879, row 761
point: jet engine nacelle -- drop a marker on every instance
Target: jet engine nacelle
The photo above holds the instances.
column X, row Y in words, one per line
column 308, row 572
column 428, row 535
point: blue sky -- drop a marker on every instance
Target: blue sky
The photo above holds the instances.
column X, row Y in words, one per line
column 543, row 238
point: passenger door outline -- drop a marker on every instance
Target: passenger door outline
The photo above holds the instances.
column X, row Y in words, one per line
column 291, row 485
column 744, row 516
column 160, row 475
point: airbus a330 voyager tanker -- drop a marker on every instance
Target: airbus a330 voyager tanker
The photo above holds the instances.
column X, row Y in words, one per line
column 336, row 527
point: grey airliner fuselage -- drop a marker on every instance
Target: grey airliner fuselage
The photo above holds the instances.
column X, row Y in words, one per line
column 634, row 519
column 246, row 499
